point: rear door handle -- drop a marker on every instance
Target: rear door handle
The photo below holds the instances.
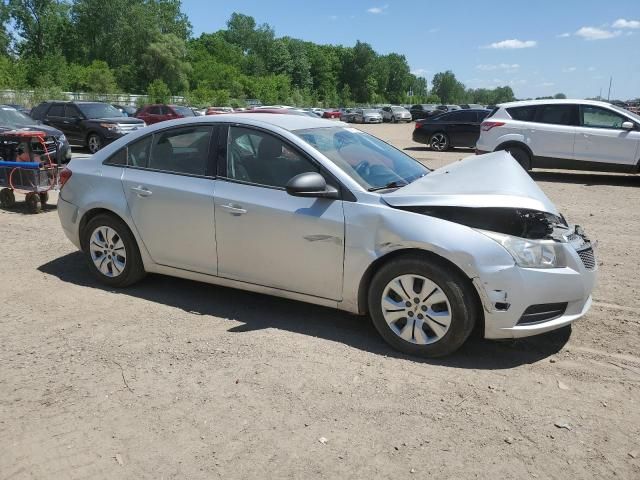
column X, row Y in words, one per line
column 141, row 191
column 234, row 209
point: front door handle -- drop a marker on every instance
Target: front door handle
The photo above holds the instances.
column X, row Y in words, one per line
column 234, row 209
column 141, row 191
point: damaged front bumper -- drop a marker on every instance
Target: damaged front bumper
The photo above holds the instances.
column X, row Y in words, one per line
column 519, row 302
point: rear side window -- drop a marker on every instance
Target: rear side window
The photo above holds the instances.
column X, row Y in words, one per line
column 181, row 150
column 38, row 112
column 596, row 117
column 557, row 114
column 56, row 111
column 117, row 159
column 138, row 152
column 524, row 114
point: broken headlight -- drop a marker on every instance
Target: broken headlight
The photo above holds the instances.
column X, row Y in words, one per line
column 530, row 253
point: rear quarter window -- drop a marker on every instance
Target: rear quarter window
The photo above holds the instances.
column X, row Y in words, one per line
column 524, row 114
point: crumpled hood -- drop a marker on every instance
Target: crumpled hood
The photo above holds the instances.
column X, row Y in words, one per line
column 54, row 132
column 490, row 180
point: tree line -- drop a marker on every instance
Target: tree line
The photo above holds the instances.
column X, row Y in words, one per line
column 147, row 47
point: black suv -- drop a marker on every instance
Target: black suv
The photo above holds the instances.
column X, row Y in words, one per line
column 424, row 110
column 90, row 124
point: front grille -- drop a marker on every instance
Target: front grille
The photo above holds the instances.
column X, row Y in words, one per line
column 542, row 312
column 588, row 258
column 130, row 127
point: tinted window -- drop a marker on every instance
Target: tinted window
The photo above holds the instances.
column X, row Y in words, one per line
column 184, row 111
column 557, row 114
column 597, row 117
column 460, row 116
column 483, row 115
column 154, row 110
column 118, row 158
column 181, row 150
column 138, row 152
column 525, row 114
column 56, row 111
column 71, row 111
column 258, row 157
column 38, row 111
column 99, row 110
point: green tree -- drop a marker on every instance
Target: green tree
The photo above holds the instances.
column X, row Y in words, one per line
column 448, row 88
column 41, row 25
column 166, row 59
column 99, row 78
column 560, row 96
column 158, row 92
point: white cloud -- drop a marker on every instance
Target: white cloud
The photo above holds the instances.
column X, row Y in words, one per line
column 547, row 84
column 564, row 35
column 420, row 72
column 622, row 23
column 513, row 43
column 569, row 69
column 377, row 10
column 333, row 17
column 593, row 33
column 500, row 66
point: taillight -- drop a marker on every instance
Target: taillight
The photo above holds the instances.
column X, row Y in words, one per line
column 486, row 126
column 65, row 175
column 418, row 125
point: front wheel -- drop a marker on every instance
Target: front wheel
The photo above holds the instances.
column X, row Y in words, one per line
column 421, row 307
column 94, row 143
column 7, row 198
column 439, row 142
column 111, row 251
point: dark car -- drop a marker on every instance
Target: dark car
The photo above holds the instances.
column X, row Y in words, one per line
column 20, row 108
column 90, row 124
column 12, row 119
column 159, row 113
column 425, row 110
column 460, row 128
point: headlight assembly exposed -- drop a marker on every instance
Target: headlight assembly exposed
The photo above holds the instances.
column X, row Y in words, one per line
column 530, row 253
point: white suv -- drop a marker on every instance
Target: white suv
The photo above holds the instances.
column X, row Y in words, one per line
column 571, row 134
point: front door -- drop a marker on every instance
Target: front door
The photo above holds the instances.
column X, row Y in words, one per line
column 170, row 194
column 552, row 134
column 602, row 139
column 266, row 236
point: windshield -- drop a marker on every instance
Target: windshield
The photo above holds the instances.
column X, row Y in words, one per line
column 369, row 110
column 184, row 111
column 398, row 109
column 626, row 112
column 99, row 110
column 368, row 160
column 12, row 117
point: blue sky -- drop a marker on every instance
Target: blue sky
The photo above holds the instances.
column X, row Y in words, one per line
column 538, row 47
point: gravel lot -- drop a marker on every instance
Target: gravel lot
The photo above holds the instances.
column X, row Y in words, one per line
column 177, row 379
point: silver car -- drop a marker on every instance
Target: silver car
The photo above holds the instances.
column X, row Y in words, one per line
column 395, row 114
column 318, row 211
column 367, row 115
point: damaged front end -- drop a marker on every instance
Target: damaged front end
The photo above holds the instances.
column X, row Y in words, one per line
column 517, row 222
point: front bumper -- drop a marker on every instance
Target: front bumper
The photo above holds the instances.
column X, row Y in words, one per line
column 372, row 119
column 506, row 294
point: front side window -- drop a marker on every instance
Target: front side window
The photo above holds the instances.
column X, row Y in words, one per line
column 56, row 111
column 557, row 114
column 597, row 117
column 71, row 111
column 368, row 160
column 181, row 150
column 184, row 111
column 258, row 157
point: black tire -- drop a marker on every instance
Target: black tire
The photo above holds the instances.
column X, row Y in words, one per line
column 394, row 119
column 439, row 142
column 456, row 287
column 133, row 269
column 44, row 198
column 520, row 155
column 34, row 205
column 7, row 198
column 94, row 142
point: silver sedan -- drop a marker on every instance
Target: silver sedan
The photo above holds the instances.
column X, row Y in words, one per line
column 317, row 211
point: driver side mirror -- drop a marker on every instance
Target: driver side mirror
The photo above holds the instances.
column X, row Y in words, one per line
column 627, row 125
column 311, row 184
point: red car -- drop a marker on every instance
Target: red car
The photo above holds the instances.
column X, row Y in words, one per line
column 218, row 110
column 331, row 113
column 159, row 113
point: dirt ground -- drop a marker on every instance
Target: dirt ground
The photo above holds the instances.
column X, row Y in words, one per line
column 177, row 379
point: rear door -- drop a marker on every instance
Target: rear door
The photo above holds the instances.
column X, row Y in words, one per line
column 169, row 188
column 602, row 139
column 552, row 134
column 73, row 122
column 54, row 117
column 462, row 127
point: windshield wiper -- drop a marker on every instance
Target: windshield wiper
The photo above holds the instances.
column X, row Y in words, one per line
column 394, row 184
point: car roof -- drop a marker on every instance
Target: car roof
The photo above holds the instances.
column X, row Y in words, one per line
column 566, row 101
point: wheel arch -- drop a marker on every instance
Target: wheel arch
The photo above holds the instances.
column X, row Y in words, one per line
column 378, row 263
column 515, row 143
column 94, row 212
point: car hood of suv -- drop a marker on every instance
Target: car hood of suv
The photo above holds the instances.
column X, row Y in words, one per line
column 493, row 180
column 54, row 132
column 124, row 120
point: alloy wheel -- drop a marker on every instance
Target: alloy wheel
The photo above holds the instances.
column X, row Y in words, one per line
column 416, row 309
column 94, row 143
column 107, row 251
column 439, row 142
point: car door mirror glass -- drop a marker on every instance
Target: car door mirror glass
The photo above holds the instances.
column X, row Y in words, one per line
column 310, row 184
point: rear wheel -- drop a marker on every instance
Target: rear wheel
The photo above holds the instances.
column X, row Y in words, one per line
column 34, row 205
column 520, row 155
column 111, row 251
column 394, row 119
column 422, row 307
column 439, row 142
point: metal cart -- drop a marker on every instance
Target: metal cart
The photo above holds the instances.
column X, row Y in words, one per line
column 27, row 167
